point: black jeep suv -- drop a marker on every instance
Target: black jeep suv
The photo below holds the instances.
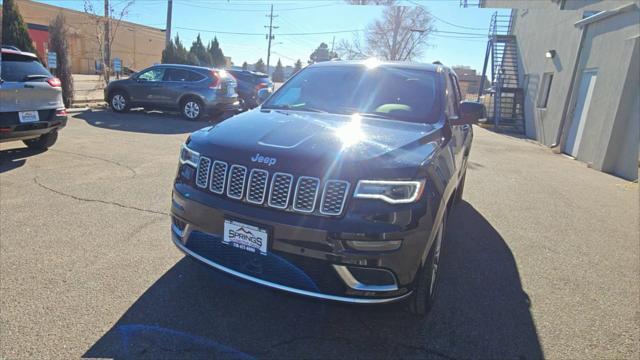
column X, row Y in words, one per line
column 338, row 187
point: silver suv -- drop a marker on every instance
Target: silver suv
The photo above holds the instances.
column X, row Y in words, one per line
column 192, row 90
column 31, row 109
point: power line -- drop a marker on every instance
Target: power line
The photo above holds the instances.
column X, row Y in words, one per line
column 262, row 34
column 447, row 22
column 252, row 10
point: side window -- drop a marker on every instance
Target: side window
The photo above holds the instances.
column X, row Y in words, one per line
column 152, row 75
column 452, row 98
column 194, row 76
column 456, row 88
column 176, row 75
column 545, row 89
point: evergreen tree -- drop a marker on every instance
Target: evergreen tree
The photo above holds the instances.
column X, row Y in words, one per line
column 182, row 54
column 260, row 66
column 278, row 72
column 198, row 53
column 59, row 43
column 169, row 54
column 297, row 66
column 245, row 66
column 216, row 54
column 14, row 30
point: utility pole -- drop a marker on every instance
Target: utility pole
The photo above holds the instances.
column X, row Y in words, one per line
column 168, row 29
column 270, row 36
column 106, row 66
column 333, row 42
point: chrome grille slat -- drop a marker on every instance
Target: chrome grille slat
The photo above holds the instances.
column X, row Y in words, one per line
column 218, row 177
column 306, row 194
column 280, row 190
column 257, row 188
column 334, row 195
column 235, row 186
column 203, row 172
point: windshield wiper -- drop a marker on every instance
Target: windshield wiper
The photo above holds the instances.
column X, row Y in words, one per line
column 296, row 108
column 34, row 77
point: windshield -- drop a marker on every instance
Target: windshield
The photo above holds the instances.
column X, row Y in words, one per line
column 18, row 68
column 385, row 91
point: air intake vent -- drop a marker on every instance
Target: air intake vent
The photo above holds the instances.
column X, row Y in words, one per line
column 237, row 175
column 306, row 194
column 218, row 176
column 334, row 197
column 280, row 189
column 257, row 186
column 203, row 172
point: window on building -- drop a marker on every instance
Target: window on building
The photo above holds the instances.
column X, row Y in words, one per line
column 545, row 89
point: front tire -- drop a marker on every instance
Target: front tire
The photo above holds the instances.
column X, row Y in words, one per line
column 119, row 102
column 426, row 283
column 192, row 109
column 43, row 142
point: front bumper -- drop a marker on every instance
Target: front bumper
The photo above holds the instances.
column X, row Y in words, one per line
column 305, row 255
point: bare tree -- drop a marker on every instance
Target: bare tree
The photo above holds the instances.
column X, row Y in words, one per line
column 352, row 50
column 401, row 34
column 107, row 25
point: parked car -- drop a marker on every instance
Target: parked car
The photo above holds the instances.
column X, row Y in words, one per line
column 249, row 83
column 339, row 188
column 192, row 90
column 31, row 107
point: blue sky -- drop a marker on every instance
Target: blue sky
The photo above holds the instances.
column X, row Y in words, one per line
column 461, row 37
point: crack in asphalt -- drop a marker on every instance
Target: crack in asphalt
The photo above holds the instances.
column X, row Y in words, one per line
column 98, row 158
column 35, row 180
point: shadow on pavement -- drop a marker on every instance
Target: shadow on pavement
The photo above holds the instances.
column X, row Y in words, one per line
column 14, row 158
column 195, row 312
column 152, row 122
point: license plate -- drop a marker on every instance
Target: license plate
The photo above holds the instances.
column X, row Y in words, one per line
column 231, row 91
column 245, row 237
column 28, row 116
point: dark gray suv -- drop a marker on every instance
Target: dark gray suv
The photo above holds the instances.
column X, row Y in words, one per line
column 192, row 90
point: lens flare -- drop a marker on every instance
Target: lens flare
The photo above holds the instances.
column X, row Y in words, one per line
column 351, row 133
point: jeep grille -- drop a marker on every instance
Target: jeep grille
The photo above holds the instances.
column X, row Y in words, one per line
column 277, row 190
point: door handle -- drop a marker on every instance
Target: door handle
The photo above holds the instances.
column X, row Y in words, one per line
column 29, row 86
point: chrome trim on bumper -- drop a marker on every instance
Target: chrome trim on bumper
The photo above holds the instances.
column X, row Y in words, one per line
column 179, row 245
column 353, row 283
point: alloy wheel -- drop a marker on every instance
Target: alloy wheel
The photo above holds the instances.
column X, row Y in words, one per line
column 118, row 102
column 192, row 109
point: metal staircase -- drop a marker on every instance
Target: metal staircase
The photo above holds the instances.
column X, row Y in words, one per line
column 505, row 104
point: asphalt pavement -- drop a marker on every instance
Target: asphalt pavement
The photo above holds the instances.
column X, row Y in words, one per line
column 541, row 259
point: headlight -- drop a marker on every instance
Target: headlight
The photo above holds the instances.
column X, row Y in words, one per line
column 188, row 156
column 393, row 192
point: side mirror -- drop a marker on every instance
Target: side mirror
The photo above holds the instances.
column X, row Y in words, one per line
column 263, row 94
column 470, row 113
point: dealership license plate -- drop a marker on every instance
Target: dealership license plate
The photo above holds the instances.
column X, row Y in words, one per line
column 231, row 91
column 28, row 116
column 245, row 237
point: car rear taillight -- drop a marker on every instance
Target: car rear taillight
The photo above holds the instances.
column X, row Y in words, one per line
column 54, row 82
column 261, row 86
column 215, row 84
column 61, row 112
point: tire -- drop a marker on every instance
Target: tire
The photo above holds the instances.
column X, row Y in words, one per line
column 43, row 142
column 426, row 283
column 192, row 109
column 119, row 102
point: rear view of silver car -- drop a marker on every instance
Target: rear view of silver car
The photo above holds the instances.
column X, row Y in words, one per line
column 31, row 107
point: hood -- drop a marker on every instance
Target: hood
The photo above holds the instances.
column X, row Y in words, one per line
column 317, row 144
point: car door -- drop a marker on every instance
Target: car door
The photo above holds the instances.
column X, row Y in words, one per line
column 176, row 83
column 144, row 90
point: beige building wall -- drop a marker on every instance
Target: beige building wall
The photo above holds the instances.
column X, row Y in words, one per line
column 137, row 45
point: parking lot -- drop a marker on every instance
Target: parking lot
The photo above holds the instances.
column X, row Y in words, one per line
column 541, row 259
